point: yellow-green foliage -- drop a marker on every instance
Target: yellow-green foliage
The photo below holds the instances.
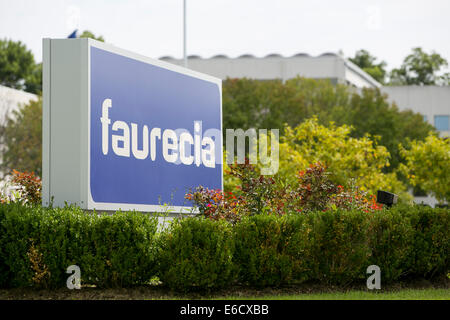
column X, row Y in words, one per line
column 427, row 164
column 346, row 157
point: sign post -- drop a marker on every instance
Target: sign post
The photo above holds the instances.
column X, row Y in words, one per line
column 123, row 131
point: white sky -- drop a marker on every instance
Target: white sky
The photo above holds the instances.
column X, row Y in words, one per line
column 387, row 29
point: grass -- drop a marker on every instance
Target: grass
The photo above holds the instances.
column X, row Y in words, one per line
column 417, row 289
column 408, row 294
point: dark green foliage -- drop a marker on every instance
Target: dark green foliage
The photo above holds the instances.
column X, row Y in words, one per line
column 336, row 247
column 411, row 241
column 421, row 68
column 391, row 241
column 332, row 247
column 431, row 240
column 18, row 69
column 196, row 253
column 272, row 250
column 271, row 104
column 340, row 246
column 369, row 112
column 115, row 250
column 366, row 61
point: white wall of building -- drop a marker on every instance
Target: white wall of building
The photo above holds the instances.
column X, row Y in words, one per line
column 326, row 66
column 12, row 99
column 430, row 101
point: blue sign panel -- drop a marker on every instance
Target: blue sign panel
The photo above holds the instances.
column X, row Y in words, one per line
column 148, row 124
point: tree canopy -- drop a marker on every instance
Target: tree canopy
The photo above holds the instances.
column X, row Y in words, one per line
column 347, row 158
column 366, row 62
column 89, row 34
column 421, row 68
column 427, row 165
column 18, row 69
column 272, row 104
column 21, row 137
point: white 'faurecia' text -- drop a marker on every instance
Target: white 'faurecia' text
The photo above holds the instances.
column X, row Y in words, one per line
column 176, row 148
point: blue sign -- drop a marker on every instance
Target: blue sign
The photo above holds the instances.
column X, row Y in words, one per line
column 151, row 131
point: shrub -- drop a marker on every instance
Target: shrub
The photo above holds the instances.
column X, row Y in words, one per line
column 196, row 254
column 391, row 241
column 217, row 205
column 411, row 241
column 336, row 247
column 272, row 250
column 431, row 240
column 260, row 194
column 330, row 247
column 339, row 241
column 30, row 186
column 38, row 244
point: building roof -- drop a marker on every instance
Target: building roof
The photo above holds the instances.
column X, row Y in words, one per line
column 328, row 65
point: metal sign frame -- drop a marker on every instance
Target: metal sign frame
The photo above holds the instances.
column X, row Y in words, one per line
column 66, row 151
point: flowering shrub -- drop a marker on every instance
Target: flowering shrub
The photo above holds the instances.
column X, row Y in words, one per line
column 256, row 194
column 354, row 198
column 215, row 204
column 30, row 186
column 316, row 191
column 315, row 188
column 259, row 194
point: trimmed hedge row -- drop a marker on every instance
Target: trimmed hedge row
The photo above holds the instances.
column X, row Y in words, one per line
column 337, row 247
column 37, row 245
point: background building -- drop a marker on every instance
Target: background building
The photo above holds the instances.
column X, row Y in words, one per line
column 433, row 102
column 274, row 66
column 12, row 99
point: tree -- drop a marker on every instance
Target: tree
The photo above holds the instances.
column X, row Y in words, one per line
column 428, row 165
column 249, row 103
column 369, row 112
column 18, row 69
column 88, row 34
column 347, row 158
column 34, row 82
column 272, row 104
column 21, row 138
column 366, row 62
column 420, row 68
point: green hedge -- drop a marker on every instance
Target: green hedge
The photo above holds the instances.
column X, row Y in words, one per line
column 111, row 250
column 330, row 247
column 337, row 246
column 196, row 253
column 124, row 249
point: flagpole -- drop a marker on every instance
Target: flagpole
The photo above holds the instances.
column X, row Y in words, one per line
column 184, row 35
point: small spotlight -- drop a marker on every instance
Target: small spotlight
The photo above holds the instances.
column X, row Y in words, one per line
column 386, row 198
